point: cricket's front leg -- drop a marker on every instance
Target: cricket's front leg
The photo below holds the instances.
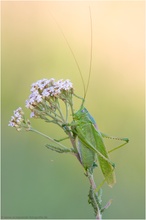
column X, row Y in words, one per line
column 62, row 139
column 115, row 138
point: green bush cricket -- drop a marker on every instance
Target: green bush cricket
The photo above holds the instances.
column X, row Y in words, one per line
column 84, row 128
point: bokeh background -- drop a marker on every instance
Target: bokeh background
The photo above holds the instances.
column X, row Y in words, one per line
column 36, row 182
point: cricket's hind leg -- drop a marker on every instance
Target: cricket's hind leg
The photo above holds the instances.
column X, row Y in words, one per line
column 115, row 138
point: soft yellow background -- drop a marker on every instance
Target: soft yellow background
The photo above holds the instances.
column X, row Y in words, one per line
column 40, row 183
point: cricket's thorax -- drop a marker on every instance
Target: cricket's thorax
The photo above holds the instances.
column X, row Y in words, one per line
column 83, row 117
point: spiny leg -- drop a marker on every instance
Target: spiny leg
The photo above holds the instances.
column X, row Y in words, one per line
column 115, row 138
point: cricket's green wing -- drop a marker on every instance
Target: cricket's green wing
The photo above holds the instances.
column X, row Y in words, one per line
column 87, row 156
column 106, row 167
column 96, row 144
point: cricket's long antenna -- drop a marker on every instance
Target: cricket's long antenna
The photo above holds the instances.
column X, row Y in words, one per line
column 78, row 67
column 77, row 64
column 91, row 46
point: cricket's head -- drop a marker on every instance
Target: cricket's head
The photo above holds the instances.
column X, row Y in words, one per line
column 81, row 114
column 84, row 116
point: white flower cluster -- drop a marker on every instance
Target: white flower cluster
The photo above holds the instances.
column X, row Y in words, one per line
column 47, row 88
column 17, row 119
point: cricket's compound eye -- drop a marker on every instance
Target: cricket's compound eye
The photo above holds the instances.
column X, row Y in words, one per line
column 84, row 110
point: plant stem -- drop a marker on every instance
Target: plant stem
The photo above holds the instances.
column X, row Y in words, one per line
column 44, row 135
column 93, row 186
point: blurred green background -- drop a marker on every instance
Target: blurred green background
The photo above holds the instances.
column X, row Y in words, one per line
column 39, row 183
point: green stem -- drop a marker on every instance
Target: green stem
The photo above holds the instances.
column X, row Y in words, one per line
column 54, row 117
column 55, row 121
column 44, row 135
column 66, row 105
column 61, row 114
column 71, row 106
